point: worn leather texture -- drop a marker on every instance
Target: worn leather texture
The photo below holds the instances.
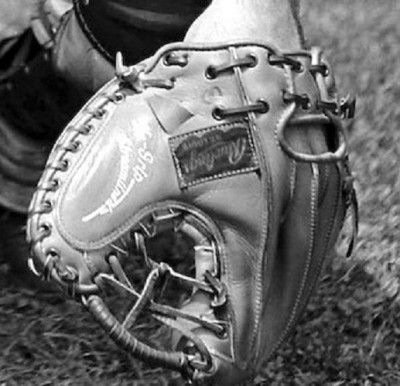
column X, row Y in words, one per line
column 278, row 217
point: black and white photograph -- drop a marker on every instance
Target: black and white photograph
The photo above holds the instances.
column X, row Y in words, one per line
column 199, row 192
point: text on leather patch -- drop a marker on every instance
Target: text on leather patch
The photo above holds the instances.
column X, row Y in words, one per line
column 213, row 153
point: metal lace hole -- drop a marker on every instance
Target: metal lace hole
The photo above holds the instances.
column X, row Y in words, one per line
column 175, row 59
column 167, row 60
column 75, row 146
column 223, row 333
column 324, row 70
column 55, row 183
column 53, row 253
column 45, row 227
column 47, row 205
column 99, row 114
column 210, row 73
column 306, row 102
column 321, row 69
column 218, row 113
column 87, row 129
column 254, row 59
column 264, row 106
column 119, row 97
column 298, row 67
column 64, row 164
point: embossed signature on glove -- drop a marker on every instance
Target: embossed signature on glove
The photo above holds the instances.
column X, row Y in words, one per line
column 130, row 173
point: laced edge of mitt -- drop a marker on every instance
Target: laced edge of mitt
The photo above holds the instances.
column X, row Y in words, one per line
column 134, row 78
column 178, row 217
column 197, row 358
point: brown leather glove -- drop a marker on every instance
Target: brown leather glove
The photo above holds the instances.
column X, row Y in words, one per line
column 234, row 146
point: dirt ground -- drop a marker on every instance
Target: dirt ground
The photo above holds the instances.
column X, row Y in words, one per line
column 350, row 332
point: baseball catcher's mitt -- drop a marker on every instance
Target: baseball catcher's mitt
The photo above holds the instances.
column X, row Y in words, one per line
column 239, row 147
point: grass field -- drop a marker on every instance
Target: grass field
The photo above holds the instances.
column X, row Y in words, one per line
column 350, row 332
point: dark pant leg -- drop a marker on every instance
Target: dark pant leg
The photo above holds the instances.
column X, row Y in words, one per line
column 137, row 28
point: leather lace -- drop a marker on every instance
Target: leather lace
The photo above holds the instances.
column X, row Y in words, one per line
column 158, row 272
column 52, row 267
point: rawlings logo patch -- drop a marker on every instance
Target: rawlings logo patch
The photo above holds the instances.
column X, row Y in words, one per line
column 212, row 153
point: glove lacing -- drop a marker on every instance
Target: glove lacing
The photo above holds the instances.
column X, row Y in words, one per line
column 136, row 79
